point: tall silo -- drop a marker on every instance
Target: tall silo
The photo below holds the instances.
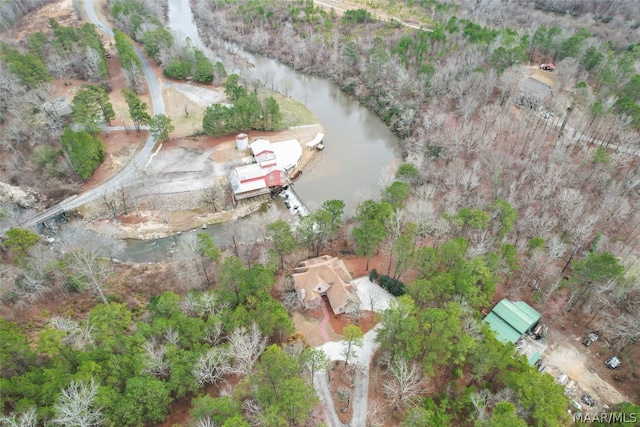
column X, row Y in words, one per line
column 242, row 141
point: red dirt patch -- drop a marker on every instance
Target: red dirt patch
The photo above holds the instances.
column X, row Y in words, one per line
column 357, row 264
column 121, row 148
column 341, row 379
column 368, row 320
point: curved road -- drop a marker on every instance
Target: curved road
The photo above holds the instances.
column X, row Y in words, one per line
column 131, row 171
column 360, row 401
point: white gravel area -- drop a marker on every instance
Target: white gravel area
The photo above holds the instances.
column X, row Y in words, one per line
column 381, row 300
column 333, row 349
column 197, row 94
column 372, row 296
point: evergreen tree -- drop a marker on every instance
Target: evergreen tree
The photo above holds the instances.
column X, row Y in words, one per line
column 137, row 109
column 84, row 151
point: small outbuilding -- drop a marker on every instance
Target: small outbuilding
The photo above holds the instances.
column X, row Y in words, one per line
column 512, row 320
column 242, row 142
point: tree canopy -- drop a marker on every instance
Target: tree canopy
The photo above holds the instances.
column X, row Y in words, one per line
column 139, row 114
column 160, row 126
column 85, row 152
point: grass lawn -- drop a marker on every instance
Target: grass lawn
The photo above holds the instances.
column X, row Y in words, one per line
column 293, row 112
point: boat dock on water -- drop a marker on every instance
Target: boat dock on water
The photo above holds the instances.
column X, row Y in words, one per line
column 316, row 142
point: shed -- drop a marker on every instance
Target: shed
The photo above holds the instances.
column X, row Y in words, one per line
column 512, row 320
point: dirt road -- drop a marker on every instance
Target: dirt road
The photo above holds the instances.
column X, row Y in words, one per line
column 131, row 171
column 575, row 363
column 342, row 6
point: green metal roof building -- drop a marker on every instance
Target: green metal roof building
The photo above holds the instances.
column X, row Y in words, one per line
column 511, row 320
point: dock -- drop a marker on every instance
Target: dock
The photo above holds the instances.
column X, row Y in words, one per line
column 316, row 142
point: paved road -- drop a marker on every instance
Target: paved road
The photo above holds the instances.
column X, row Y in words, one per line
column 361, row 389
column 360, row 400
column 321, row 383
column 129, row 173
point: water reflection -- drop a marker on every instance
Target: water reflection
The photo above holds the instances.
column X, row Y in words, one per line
column 358, row 144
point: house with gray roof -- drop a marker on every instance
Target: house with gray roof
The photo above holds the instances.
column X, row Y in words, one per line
column 533, row 94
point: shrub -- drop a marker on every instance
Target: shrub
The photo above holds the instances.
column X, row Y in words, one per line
column 85, row 151
column 373, row 275
column 393, row 286
column 179, row 70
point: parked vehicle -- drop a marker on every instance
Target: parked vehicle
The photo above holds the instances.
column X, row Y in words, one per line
column 547, row 67
column 612, row 362
column 588, row 400
column 589, row 339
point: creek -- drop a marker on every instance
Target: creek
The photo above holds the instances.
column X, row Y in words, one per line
column 358, row 145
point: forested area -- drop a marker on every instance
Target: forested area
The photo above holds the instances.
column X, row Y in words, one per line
column 11, row 11
column 123, row 365
column 179, row 59
column 570, row 193
column 33, row 119
column 440, row 90
column 247, row 111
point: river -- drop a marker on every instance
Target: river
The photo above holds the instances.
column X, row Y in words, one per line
column 358, row 145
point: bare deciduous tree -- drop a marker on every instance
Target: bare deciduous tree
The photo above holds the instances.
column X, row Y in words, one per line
column 76, row 406
column 291, row 301
column 625, row 329
column 93, row 268
column 111, row 204
column 245, row 348
column 77, row 336
column 155, row 362
column 404, row 385
column 88, row 256
column 92, row 63
column 29, row 418
column 480, row 400
column 213, row 366
column 134, row 78
column 217, row 196
column 254, row 411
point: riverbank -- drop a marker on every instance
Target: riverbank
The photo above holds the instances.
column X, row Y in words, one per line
column 163, row 214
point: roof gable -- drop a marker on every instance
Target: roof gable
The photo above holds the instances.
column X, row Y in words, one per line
column 504, row 332
column 511, row 320
column 326, row 274
column 536, row 87
column 519, row 315
column 260, row 146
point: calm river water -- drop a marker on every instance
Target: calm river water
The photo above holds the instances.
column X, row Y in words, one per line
column 358, row 144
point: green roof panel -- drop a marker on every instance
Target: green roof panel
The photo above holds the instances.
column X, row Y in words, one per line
column 519, row 315
column 511, row 320
column 534, row 358
column 504, row 332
